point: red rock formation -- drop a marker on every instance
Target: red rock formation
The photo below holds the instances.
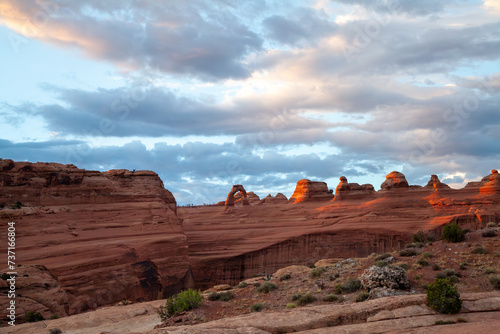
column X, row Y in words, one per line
column 104, row 236
column 346, row 190
column 394, row 180
column 237, row 188
column 490, row 185
column 435, row 184
column 311, row 191
column 252, row 198
column 279, row 198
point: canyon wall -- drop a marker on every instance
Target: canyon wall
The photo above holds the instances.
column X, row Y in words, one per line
column 105, row 237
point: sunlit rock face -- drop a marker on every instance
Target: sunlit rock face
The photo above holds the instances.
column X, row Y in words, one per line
column 105, row 236
column 435, row 183
column 346, row 190
column 490, row 185
column 232, row 199
column 311, row 191
column 394, row 180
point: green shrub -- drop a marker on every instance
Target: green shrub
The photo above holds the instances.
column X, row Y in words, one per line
column 403, row 265
column 285, row 277
column 306, row 299
column 183, row 301
column 381, row 263
column 427, row 255
column 453, row 233
column 54, row 316
column 352, row 285
column 489, row 233
column 267, row 287
column 408, row 252
column 443, row 296
column 489, row 271
column 422, row 262
column 362, row 296
column 5, row 276
column 55, row 331
column 213, row 296
column 31, row 316
column 495, row 282
column 225, row 296
column 382, row 257
column 435, row 266
column 330, row 298
column 334, row 276
column 316, row 272
column 420, row 236
column 295, row 297
column 257, row 307
column 479, row 250
column 491, row 224
column 242, row 285
column 291, row 305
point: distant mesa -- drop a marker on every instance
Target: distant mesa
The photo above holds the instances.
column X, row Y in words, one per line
column 269, row 199
column 394, row 180
column 231, row 198
column 346, row 190
column 311, row 191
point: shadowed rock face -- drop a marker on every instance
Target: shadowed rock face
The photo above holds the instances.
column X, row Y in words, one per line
column 311, row 191
column 269, row 199
column 435, row 184
column 104, row 237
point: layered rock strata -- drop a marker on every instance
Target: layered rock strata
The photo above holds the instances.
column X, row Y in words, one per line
column 311, row 191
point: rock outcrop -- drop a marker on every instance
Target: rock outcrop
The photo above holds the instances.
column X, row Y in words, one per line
column 394, row 180
column 231, row 199
column 269, row 199
column 490, row 185
column 435, row 184
column 346, row 190
column 311, row 191
column 104, row 237
column 252, row 197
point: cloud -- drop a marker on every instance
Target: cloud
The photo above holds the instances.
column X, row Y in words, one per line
column 304, row 27
column 191, row 38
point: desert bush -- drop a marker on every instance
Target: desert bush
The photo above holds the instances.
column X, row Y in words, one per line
column 213, row 296
column 352, row 285
column 495, row 282
column 489, row 271
column 54, row 316
column 420, row 236
column 443, row 296
column 362, row 296
column 295, row 297
column 435, row 266
column 316, row 272
column 415, row 245
column 330, row 298
column 479, row 250
column 267, row 287
column 489, row 233
column 183, row 301
column 225, row 296
column 382, row 257
column 427, row 255
column 491, row 224
column 55, row 331
column 381, row 263
column 422, row 262
column 453, row 233
column 285, row 277
column 291, row 305
column 444, row 322
column 306, row 299
column 403, row 265
column 242, row 285
column 31, row 316
column 408, row 252
column 5, row 276
column 257, row 307
column 334, row 276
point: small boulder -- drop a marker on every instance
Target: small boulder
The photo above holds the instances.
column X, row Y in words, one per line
column 392, row 277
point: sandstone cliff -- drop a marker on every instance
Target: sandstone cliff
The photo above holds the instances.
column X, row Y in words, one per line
column 104, row 237
column 310, row 191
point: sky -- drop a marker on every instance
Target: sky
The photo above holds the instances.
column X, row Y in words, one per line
column 261, row 93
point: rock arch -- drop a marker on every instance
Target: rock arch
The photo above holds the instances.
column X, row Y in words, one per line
column 237, row 188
